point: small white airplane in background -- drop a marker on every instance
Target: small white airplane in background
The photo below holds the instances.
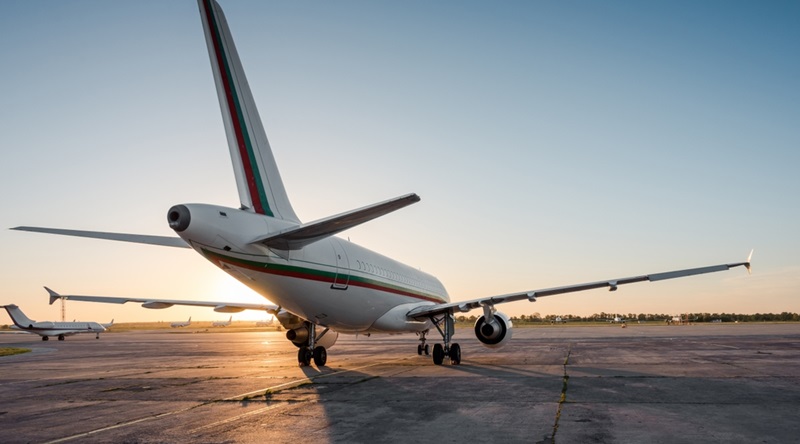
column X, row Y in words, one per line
column 267, row 323
column 181, row 324
column 109, row 325
column 322, row 285
column 680, row 320
column 618, row 320
column 223, row 323
column 45, row 329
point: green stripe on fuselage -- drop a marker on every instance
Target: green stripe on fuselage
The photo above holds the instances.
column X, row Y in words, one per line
column 320, row 275
column 255, row 172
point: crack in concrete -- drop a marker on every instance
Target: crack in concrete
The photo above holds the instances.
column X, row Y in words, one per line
column 563, row 398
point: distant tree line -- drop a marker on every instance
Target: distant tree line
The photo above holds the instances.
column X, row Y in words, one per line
column 648, row 317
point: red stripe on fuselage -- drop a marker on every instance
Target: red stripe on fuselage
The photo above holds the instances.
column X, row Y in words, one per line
column 216, row 38
column 312, row 277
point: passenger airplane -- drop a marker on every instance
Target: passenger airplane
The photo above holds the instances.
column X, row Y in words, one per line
column 45, row 329
column 679, row 319
column 267, row 323
column 322, row 285
column 181, row 324
column 223, row 323
column 617, row 320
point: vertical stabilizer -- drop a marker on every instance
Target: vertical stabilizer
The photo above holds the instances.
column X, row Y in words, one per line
column 19, row 318
column 260, row 187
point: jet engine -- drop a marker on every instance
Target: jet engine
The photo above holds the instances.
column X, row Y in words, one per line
column 494, row 333
column 299, row 337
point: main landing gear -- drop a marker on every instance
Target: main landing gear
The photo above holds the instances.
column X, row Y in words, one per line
column 440, row 351
column 310, row 350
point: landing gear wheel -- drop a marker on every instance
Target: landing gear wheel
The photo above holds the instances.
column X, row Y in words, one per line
column 320, row 356
column 427, row 350
column 304, row 357
column 438, row 354
column 45, row 338
column 419, row 349
column 455, row 354
column 60, row 337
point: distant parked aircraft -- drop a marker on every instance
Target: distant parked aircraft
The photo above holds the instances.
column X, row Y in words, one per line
column 680, row 320
column 181, row 324
column 45, row 329
column 617, row 319
column 267, row 323
column 223, row 323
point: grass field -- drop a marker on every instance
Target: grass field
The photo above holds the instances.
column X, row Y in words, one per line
column 8, row 351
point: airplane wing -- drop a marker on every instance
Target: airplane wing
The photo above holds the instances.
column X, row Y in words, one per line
column 221, row 307
column 298, row 237
column 612, row 284
column 164, row 241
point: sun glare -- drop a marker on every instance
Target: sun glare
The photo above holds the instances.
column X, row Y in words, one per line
column 229, row 289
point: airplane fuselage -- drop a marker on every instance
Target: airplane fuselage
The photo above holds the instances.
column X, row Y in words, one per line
column 332, row 282
column 47, row 328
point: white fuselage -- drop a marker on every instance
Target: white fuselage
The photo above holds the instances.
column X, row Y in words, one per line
column 331, row 282
column 47, row 328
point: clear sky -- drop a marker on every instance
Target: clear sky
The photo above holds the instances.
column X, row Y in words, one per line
column 552, row 143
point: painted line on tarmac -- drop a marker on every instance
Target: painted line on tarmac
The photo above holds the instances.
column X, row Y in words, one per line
column 233, row 398
column 297, row 382
column 123, row 424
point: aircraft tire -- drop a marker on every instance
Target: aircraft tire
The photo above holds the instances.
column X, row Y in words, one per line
column 45, row 338
column 320, row 356
column 427, row 350
column 60, row 337
column 455, row 354
column 304, row 357
column 419, row 349
column 438, row 354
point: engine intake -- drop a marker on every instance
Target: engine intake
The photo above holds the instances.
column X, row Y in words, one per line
column 495, row 333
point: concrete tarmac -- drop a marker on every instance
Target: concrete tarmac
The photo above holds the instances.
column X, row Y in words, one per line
column 672, row 384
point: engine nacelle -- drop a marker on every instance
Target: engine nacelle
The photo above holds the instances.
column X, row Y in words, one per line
column 329, row 339
column 496, row 333
column 299, row 337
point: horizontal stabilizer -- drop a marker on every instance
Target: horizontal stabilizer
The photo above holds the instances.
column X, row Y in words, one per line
column 298, row 237
column 163, row 241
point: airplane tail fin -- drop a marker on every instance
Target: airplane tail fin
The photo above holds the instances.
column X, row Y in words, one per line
column 18, row 316
column 53, row 295
column 260, row 186
column 747, row 264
